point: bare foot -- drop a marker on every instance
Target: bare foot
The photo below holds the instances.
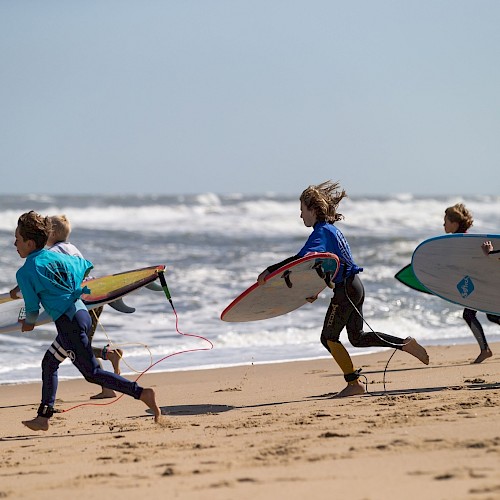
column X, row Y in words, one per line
column 484, row 354
column 351, row 389
column 104, row 394
column 115, row 356
column 37, row 424
column 415, row 349
column 148, row 396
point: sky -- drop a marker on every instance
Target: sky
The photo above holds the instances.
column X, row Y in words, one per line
column 249, row 96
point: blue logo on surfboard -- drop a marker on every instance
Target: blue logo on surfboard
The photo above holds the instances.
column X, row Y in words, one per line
column 465, row 286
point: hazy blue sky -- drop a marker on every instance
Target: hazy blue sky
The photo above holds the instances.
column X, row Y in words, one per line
column 187, row 96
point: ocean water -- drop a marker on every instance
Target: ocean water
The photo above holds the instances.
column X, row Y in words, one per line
column 214, row 247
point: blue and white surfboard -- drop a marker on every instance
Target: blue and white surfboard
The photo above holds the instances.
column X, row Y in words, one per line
column 455, row 268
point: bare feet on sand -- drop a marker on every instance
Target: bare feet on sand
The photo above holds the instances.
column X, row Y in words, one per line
column 115, row 356
column 104, row 394
column 352, row 389
column 37, row 424
column 412, row 347
column 484, row 354
column 149, row 398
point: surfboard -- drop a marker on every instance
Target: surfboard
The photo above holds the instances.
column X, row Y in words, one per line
column 284, row 290
column 455, row 268
column 102, row 291
column 408, row 278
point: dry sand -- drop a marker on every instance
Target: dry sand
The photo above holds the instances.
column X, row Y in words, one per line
column 268, row 432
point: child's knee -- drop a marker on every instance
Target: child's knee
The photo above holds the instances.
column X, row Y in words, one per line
column 49, row 362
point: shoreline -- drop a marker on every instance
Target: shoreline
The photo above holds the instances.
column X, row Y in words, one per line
column 268, row 431
column 466, row 341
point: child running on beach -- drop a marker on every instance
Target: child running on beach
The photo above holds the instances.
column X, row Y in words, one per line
column 54, row 280
column 318, row 209
column 457, row 219
column 58, row 242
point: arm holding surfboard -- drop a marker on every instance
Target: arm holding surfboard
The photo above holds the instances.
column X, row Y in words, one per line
column 487, row 247
column 261, row 279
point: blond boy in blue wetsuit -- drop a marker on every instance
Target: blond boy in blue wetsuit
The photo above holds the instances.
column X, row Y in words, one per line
column 318, row 209
column 54, row 281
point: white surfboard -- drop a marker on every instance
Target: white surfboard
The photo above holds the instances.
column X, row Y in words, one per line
column 284, row 290
column 455, row 268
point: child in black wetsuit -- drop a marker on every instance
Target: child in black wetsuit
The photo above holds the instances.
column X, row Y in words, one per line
column 318, row 205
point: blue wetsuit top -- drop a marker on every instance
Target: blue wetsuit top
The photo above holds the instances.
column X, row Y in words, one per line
column 53, row 280
column 326, row 238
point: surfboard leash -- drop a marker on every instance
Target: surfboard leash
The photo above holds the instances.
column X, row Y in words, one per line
column 169, row 298
column 166, row 291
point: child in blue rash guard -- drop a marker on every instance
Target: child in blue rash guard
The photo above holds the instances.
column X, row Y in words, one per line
column 318, row 209
column 54, row 280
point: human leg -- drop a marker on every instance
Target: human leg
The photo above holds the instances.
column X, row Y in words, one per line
column 76, row 341
column 470, row 317
column 50, row 366
column 113, row 355
column 335, row 319
column 354, row 294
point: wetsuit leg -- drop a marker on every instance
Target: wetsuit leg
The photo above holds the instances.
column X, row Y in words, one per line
column 94, row 314
column 75, row 341
column 54, row 356
column 337, row 317
column 470, row 318
column 353, row 293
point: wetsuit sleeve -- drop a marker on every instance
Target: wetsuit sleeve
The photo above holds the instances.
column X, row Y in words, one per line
column 274, row 267
column 315, row 243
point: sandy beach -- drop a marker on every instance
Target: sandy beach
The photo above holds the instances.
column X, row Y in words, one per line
column 268, row 431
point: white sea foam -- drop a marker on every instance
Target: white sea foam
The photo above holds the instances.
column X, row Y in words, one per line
column 214, row 247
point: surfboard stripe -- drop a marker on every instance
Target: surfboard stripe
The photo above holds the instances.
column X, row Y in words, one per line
column 110, row 288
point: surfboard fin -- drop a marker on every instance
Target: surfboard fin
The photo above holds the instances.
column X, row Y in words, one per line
column 324, row 275
column 154, row 286
column 286, row 277
column 120, row 306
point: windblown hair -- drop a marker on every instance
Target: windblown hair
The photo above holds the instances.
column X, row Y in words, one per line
column 33, row 226
column 324, row 199
column 458, row 213
column 61, row 228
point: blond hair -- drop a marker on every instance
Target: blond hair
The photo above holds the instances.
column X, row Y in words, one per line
column 61, row 228
column 324, row 200
column 459, row 214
